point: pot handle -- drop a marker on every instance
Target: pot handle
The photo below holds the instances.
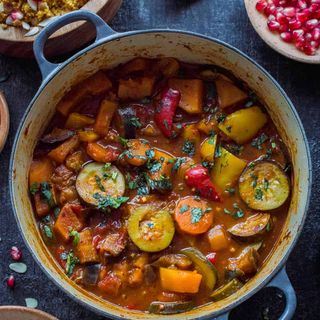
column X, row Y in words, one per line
column 282, row 282
column 102, row 30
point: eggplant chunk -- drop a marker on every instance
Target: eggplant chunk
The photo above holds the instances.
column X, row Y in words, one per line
column 245, row 263
column 252, row 227
column 91, row 274
column 203, row 265
column 97, row 180
column 227, row 290
column 264, row 186
column 178, row 260
column 57, row 135
column 159, row 307
column 124, row 123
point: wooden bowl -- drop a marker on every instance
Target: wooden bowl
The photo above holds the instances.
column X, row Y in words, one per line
column 259, row 22
column 4, row 122
column 67, row 39
column 23, row 313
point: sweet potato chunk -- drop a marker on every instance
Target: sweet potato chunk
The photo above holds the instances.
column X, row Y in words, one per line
column 191, row 93
column 218, row 238
column 85, row 250
column 78, row 121
column 104, row 117
column 60, row 153
column 94, row 85
column 136, row 88
column 228, row 93
column 66, row 222
column 40, row 171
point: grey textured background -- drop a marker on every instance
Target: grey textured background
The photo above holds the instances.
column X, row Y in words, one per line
column 225, row 20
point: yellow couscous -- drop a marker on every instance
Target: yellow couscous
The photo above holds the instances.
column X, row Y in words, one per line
column 23, row 13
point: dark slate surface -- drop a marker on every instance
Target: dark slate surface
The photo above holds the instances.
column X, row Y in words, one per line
column 225, row 20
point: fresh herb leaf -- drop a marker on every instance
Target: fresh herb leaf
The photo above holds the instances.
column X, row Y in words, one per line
column 265, row 184
column 235, row 148
column 46, row 194
column 98, row 182
column 76, row 237
column 123, row 141
column 107, row 166
column 196, row 215
column 207, row 164
column 259, row 141
column 189, row 148
column 150, row 153
column 48, row 231
column 178, row 162
column 254, row 180
column 184, row 208
column 231, row 190
column 114, row 175
column 258, row 194
column 226, row 211
column 135, row 122
column 218, row 151
column 107, row 202
column 221, row 117
column 34, row 188
column 56, row 211
column 72, row 261
column 273, row 145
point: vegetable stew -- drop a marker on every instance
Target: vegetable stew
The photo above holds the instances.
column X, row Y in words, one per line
column 160, row 185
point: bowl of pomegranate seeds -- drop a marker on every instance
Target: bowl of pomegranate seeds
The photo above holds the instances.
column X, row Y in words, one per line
column 291, row 27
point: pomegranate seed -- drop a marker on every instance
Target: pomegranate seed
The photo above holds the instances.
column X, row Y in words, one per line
column 211, row 257
column 270, row 9
column 311, row 24
column 271, row 17
column 289, row 11
column 302, row 4
column 273, row 25
column 294, row 24
column 315, row 44
column 283, row 28
column 316, row 34
column 315, row 1
column 286, row 36
column 15, row 253
column 281, row 18
column 302, row 16
column 296, row 34
column 316, row 14
column 10, row 281
column 314, row 7
column 308, row 36
column 309, row 50
column 261, row 5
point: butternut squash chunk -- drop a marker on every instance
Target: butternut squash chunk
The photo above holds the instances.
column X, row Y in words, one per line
column 67, row 221
column 106, row 111
column 166, row 160
column 78, row 121
column 227, row 169
column 180, row 280
column 136, row 88
column 242, row 125
column 88, row 136
column 94, row 85
column 101, row 154
column 60, row 153
column 218, row 238
column 228, row 93
column 191, row 93
column 85, row 250
column 40, row 171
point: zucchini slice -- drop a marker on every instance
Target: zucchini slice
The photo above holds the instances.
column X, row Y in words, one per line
column 253, row 226
column 151, row 229
column 264, row 186
column 203, row 265
column 97, row 178
column 227, row 290
column 159, row 307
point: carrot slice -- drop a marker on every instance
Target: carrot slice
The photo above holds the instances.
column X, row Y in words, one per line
column 193, row 215
column 102, row 154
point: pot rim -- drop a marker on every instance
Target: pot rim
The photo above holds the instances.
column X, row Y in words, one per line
column 121, row 35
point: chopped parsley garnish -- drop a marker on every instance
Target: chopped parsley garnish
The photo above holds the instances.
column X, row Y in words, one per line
column 231, row 190
column 207, row 164
column 188, row 148
column 135, row 122
column 56, row 212
column 34, row 188
column 218, row 151
column 238, row 213
column 221, row 117
column 114, row 175
column 251, row 165
column 258, row 194
column 184, row 208
column 107, row 166
column 171, row 160
column 46, row 194
column 211, row 140
column 107, row 202
column 265, row 184
column 76, row 237
column 226, row 211
column 98, row 182
column 123, row 141
column 196, row 215
column 254, row 180
column 235, row 148
column 150, row 153
column 48, row 231
column 72, row 261
column 273, row 145
column 178, row 162
column 259, row 141
column 154, row 166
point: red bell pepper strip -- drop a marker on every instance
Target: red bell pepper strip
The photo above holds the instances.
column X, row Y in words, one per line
column 166, row 109
column 212, row 256
column 198, row 178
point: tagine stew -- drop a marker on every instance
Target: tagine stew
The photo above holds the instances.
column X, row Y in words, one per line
column 160, row 185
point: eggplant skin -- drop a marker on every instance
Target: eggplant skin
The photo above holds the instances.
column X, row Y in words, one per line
column 159, row 307
column 124, row 124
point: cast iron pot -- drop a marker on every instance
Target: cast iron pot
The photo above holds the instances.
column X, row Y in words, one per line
column 108, row 50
